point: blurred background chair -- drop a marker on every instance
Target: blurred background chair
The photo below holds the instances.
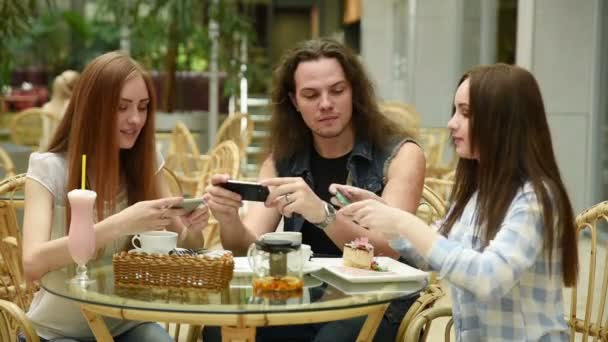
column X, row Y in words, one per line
column 7, row 168
column 26, row 127
column 172, row 181
column 15, row 292
column 591, row 321
column 403, row 115
column 237, row 127
column 224, row 158
column 434, row 141
column 184, row 158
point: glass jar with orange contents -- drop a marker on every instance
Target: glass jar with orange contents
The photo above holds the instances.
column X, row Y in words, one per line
column 277, row 266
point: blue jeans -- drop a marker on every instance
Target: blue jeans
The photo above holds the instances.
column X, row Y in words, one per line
column 345, row 330
column 143, row 332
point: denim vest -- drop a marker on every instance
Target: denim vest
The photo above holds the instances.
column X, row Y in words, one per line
column 367, row 167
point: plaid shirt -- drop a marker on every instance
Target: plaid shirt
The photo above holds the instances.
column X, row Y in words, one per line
column 503, row 292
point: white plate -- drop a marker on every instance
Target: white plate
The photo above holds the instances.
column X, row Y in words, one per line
column 396, row 271
column 241, row 267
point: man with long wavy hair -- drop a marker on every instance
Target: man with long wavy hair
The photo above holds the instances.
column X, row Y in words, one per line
column 326, row 128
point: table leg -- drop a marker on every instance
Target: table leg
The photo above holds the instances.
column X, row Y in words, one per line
column 98, row 325
column 368, row 331
column 234, row 334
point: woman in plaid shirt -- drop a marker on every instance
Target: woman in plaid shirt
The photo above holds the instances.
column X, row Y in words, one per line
column 508, row 243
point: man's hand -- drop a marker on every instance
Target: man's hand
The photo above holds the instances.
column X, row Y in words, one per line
column 292, row 195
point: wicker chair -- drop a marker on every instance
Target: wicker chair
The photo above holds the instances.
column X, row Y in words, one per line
column 434, row 141
column 592, row 323
column 403, row 115
column 27, row 126
column 424, row 320
column 431, row 208
column 441, row 187
column 238, row 128
column 15, row 293
column 6, row 164
column 172, row 181
column 11, row 185
column 12, row 321
column 184, row 158
column 224, row 158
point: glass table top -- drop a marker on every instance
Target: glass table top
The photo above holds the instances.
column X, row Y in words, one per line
column 322, row 291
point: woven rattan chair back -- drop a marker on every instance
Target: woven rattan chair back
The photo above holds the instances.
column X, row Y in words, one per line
column 432, row 207
column 224, row 158
column 13, row 286
column 237, row 127
column 172, row 181
column 7, row 167
column 184, row 158
column 441, row 187
column 403, row 115
column 11, row 189
column 434, row 141
column 593, row 288
column 12, row 321
column 27, row 126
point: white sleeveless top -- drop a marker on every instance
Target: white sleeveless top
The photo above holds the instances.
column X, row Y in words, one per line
column 54, row 316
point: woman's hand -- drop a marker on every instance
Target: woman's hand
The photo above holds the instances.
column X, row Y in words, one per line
column 352, row 194
column 376, row 216
column 292, row 195
column 224, row 204
column 148, row 215
column 196, row 220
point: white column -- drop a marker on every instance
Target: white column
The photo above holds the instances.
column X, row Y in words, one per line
column 213, row 76
column 559, row 40
column 488, row 31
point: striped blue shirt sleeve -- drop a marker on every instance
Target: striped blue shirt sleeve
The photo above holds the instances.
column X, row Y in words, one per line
column 495, row 270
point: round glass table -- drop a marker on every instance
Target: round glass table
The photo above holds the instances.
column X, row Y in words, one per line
column 236, row 309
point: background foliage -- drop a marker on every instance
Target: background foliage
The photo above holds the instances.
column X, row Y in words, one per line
column 165, row 35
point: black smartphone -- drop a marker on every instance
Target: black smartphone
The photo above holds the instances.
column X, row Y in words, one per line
column 249, row 191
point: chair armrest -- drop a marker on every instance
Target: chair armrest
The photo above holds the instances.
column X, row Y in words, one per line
column 424, row 319
column 13, row 320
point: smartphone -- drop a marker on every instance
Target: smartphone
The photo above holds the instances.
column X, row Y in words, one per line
column 342, row 199
column 190, row 204
column 249, row 191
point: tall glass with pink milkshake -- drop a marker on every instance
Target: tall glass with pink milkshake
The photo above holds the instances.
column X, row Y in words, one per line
column 81, row 238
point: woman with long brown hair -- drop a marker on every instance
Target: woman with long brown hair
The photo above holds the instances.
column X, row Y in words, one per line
column 508, row 243
column 110, row 118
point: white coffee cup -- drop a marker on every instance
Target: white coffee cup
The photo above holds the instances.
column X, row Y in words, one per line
column 160, row 241
column 294, row 237
column 305, row 254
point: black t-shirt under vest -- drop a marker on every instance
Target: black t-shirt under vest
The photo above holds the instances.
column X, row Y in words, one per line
column 324, row 173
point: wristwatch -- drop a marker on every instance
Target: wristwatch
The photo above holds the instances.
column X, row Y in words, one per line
column 330, row 216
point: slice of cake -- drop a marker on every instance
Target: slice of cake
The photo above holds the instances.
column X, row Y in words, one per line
column 358, row 253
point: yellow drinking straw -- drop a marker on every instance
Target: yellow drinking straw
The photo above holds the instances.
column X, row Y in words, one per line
column 84, row 171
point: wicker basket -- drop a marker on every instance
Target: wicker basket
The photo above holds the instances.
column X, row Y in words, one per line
column 143, row 270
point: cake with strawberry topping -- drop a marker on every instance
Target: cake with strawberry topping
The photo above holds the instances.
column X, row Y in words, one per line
column 358, row 253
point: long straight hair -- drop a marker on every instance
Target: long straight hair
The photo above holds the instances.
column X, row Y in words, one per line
column 508, row 129
column 89, row 127
column 289, row 132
